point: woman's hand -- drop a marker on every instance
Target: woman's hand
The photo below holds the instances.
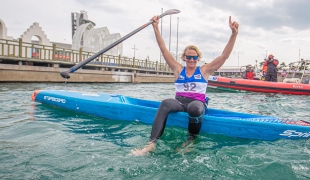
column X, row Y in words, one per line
column 155, row 21
column 233, row 26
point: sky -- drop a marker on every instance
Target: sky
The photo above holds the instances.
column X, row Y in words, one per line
column 278, row 27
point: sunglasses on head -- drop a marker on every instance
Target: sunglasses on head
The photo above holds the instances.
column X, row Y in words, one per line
column 190, row 57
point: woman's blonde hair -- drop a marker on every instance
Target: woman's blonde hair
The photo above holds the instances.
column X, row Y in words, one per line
column 192, row 47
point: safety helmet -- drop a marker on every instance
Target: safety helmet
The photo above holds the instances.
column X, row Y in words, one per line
column 270, row 56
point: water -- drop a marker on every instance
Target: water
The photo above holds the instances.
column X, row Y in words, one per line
column 42, row 142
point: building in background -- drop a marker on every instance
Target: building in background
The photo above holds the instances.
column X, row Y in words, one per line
column 91, row 39
column 84, row 35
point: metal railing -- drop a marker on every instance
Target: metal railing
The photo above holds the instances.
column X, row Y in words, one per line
column 19, row 49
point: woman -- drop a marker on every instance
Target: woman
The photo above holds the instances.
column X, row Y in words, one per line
column 191, row 83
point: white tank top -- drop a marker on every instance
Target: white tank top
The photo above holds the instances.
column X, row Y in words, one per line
column 193, row 87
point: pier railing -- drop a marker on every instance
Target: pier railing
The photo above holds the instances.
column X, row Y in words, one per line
column 19, row 49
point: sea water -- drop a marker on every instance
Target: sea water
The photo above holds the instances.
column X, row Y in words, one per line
column 43, row 142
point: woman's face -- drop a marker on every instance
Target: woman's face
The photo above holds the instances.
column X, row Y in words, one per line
column 191, row 63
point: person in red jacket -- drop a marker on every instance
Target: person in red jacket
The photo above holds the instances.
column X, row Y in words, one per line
column 248, row 73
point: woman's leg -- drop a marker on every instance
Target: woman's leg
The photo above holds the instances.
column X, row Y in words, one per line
column 167, row 106
column 195, row 111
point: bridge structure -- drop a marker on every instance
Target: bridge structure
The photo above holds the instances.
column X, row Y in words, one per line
column 17, row 54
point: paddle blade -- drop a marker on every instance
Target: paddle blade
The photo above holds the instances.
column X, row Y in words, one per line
column 65, row 74
column 172, row 11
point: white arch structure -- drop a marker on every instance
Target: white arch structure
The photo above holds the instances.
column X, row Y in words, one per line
column 3, row 31
column 35, row 30
column 95, row 39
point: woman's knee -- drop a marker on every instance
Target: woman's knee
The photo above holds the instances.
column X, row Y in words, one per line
column 195, row 109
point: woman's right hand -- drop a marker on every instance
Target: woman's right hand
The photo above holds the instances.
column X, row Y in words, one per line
column 155, row 21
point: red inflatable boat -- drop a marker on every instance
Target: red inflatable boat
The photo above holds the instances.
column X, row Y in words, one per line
column 259, row 86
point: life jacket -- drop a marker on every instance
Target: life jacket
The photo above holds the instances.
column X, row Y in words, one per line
column 249, row 75
column 264, row 69
column 274, row 62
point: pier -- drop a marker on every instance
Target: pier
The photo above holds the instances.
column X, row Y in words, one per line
column 30, row 62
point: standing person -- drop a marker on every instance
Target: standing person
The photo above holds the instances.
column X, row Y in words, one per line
column 264, row 69
column 190, row 84
column 248, row 73
column 271, row 74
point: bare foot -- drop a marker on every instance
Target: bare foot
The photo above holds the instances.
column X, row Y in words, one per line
column 145, row 150
column 185, row 146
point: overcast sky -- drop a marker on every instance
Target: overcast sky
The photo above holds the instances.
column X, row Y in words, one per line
column 280, row 27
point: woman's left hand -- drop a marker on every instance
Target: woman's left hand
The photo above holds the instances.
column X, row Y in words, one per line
column 234, row 26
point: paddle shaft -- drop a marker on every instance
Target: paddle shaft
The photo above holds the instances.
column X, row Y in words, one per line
column 65, row 74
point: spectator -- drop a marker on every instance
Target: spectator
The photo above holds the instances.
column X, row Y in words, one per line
column 248, row 73
column 271, row 74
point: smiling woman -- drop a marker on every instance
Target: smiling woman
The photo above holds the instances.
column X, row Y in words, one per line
column 190, row 84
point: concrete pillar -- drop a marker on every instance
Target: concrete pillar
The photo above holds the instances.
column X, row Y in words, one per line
column 54, row 52
column 80, row 54
column 156, row 66
column 133, row 76
column 56, row 65
column 20, row 46
column 119, row 60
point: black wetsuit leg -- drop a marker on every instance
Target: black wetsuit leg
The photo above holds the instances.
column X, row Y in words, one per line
column 274, row 76
column 268, row 76
column 195, row 111
column 167, row 106
column 271, row 74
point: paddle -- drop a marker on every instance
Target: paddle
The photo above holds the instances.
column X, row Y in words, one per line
column 65, row 74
